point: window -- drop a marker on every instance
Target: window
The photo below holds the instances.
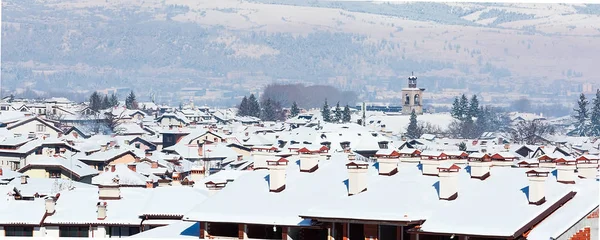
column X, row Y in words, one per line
column 18, row 231
column 117, row 232
column 41, row 127
column 73, row 232
column 38, row 151
column 417, row 100
column 137, row 145
column 54, row 173
column 407, row 100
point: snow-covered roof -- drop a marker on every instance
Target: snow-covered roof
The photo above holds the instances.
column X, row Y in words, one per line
column 126, row 177
column 187, row 198
column 70, row 165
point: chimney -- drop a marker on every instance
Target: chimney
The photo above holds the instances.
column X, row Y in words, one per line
column 101, row 210
column 351, row 157
column 138, row 159
column 51, row 204
column 357, row 177
column 148, row 154
column 24, row 179
column 103, row 147
column 448, row 184
column 215, row 186
column 200, row 149
column 480, row 167
column 261, row 158
column 587, row 166
column 388, row 165
column 113, row 168
column 277, row 174
column 1, row 171
column 309, row 163
column 536, row 193
column 154, row 164
column 132, row 167
column 149, row 184
column 110, row 191
column 565, row 171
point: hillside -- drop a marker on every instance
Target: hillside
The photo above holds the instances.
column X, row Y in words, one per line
column 164, row 45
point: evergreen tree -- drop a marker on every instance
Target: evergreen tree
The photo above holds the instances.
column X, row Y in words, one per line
column 581, row 116
column 338, row 113
column 346, row 115
column 131, row 102
column 243, row 107
column 413, row 130
column 253, row 106
column 464, row 107
column 114, row 101
column 95, row 101
column 105, row 102
column 595, row 115
column 180, row 106
column 473, row 107
column 462, row 146
column 456, row 109
column 268, row 111
column 482, row 123
column 295, row 110
column 325, row 112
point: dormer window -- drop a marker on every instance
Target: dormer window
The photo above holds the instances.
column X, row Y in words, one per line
column 216, row 185
column 383, row 145
column 345, row 144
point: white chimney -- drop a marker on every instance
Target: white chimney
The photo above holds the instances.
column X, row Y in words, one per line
column 448, row 185
column 357, row 177
column 388, row 165
column 587, row 166
column 309, row 162
column 537, row 180
column 480, row 168
column 277, row 174
column 101, row 210
column 565, row 171
column 109, row 191
column 260, row 159
column 50, row 204
column 24, row 179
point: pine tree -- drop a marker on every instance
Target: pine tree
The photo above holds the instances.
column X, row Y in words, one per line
column 456, row 109
column 131, row 102
column 473, row 107
column 243, row 107
column 338, row 113
column 595, row 115
column 413, row 130
column 462, row 146
column 105, row 102
column 95, row 101
column 346, row 115
column 325, row 111
column 268, row 111
column 114, row 101
column 295, row 110
column 253, row 106
column 464, row 107
column 581, row 116
column 481, row 124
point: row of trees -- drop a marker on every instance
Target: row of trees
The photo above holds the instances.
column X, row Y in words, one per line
column 587, row 120
column 471, row 119
column 338, row 114
column 99, row 102
column 267, row 110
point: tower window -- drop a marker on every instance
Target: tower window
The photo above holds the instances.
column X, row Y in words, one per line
column 407, row 100
column 417, row 100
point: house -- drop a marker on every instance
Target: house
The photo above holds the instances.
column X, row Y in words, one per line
column 172, row 119
column 142, row 144
column 100, row 160
column 18, row 152
column 34, row 126
column 59, row 167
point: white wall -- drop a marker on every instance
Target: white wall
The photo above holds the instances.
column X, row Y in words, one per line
column 585, row 222
column 32, row 127
column 52, row 231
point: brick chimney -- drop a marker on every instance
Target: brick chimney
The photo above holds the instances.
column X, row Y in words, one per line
column 149, row 184
column 565, row 171
column 113, row 168
column 101, row 210
column 388, row 164
column 536, row 192
column 309, row 162
column 154, row 164
column 277, row 174
column 148, row 154
column 132, row 167
column 1, row 171
column 448, row 185
column 357, row 177
column 480, row 167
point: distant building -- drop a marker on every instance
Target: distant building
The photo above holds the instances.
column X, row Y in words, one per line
column 412, row 97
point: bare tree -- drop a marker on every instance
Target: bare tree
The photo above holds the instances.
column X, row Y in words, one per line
column 113, row 121
column 529, row 132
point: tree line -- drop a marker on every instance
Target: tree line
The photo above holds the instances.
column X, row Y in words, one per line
column 338, row 115
column 266, row 110
column 99, row 101
column 587, row 119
